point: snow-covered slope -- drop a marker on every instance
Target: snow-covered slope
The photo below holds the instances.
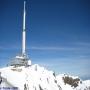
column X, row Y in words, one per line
column 36, row 78
column 82, row 85
column 33, row 77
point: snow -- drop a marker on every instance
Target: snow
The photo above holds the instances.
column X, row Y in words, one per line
column 84, row 86
column 35, row 77
column 61, row 82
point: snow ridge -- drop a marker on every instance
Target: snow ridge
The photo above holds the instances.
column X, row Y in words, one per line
column 37, row 78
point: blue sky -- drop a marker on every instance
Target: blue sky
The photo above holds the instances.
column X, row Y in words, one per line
column 58, row 34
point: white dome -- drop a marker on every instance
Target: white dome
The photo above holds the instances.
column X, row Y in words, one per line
column 29, row 62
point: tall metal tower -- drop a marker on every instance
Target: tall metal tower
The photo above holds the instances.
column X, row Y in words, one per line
column 24, row 32
column 22, row 59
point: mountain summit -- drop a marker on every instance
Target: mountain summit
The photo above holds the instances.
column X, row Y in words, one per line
column 35, row 77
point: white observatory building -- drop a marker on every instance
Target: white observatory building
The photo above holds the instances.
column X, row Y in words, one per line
column 22, row 60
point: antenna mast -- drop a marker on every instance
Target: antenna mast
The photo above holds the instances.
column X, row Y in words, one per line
column 24, row 31
column 22, row 60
